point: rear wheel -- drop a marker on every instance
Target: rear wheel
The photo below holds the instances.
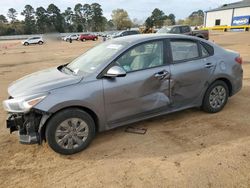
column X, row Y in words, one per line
column 40, row 42
column 70, row 131
column 216, row 97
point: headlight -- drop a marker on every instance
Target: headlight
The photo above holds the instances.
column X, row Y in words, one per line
column 22, row 104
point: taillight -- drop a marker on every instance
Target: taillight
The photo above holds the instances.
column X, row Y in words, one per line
column 239, row 60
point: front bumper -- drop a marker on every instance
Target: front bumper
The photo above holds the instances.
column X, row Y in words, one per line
column 27, row 125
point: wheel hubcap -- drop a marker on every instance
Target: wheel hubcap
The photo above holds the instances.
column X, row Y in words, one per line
column 217, row 97
column 72, row 133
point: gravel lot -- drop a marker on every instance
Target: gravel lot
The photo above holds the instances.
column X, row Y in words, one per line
column 184, row 149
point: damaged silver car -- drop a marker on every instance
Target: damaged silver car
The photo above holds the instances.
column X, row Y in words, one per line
column 119, row 82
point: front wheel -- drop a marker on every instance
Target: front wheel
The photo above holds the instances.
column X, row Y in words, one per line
column 70, row 131
column 215, row 97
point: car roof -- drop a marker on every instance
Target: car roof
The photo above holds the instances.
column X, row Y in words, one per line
column 146, row 37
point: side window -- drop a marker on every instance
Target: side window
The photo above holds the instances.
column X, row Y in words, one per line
column 204, row 52
column 134, row 32
column 125, row 33
column 176, row 30
column 209, row 49
column 141, row 57
column 131, row 32
column 184, row 50
column 185, row 29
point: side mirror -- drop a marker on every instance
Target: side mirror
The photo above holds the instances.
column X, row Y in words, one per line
column 115, row 71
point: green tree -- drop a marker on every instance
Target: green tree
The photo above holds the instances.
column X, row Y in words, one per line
column 196, row 18
column 78, row 18
column 121, row 19
column 42, row 21
column 98, row 21
column 55, row 18
column 3, row 19
column 12, row 14
column 68, row 16
column 110, row 25
column 158, row 17
column 149, row 23
column 29, row 20
column 171, row 17
column 87, row 14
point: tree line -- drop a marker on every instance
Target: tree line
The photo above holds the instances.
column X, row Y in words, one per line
column 83, row 17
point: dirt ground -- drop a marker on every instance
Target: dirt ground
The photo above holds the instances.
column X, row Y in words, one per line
column 185, row 149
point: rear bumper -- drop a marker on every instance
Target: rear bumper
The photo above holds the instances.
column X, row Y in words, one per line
column 237, row 82
column 27, row 125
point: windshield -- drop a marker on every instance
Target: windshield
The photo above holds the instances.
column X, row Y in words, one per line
column 92, row 59
column 164, row 30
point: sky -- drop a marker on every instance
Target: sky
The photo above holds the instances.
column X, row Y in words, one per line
column 139, row 9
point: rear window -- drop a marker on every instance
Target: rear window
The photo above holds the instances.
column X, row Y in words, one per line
column 183, row 50
column 207, row 47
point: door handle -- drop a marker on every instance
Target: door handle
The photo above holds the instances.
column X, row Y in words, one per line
column 209, row 65
column 161, row 75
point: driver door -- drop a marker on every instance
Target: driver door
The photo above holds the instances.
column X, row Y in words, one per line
column 144, row 90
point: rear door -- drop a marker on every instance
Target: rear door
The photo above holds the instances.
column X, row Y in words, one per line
column 145, row 88
column 191, row 70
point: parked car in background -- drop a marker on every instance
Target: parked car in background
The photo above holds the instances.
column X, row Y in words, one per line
column 72, row 37
column 125, row 33
column 84, row 37
column 33, row 40
column 185, row 30
column 119, row 82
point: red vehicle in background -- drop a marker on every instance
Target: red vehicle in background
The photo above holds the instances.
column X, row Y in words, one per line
column 84, row 37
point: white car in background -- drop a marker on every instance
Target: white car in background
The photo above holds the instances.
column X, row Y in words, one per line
column 33, row 40
column 72, row 37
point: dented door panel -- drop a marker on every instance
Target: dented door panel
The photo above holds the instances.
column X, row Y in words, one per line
column 139, row 92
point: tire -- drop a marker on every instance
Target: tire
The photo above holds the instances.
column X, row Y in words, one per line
column 26, row 44
column 68, row 141
column 40, row 42
column 215, row 97
column 67, row 40
column 83, row 40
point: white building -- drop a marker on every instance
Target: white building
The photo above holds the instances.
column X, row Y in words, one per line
column 229, row 15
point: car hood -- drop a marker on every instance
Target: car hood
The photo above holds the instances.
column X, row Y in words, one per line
column 42, row 81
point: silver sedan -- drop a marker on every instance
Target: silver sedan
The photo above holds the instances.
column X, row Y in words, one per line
column 119, row 82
